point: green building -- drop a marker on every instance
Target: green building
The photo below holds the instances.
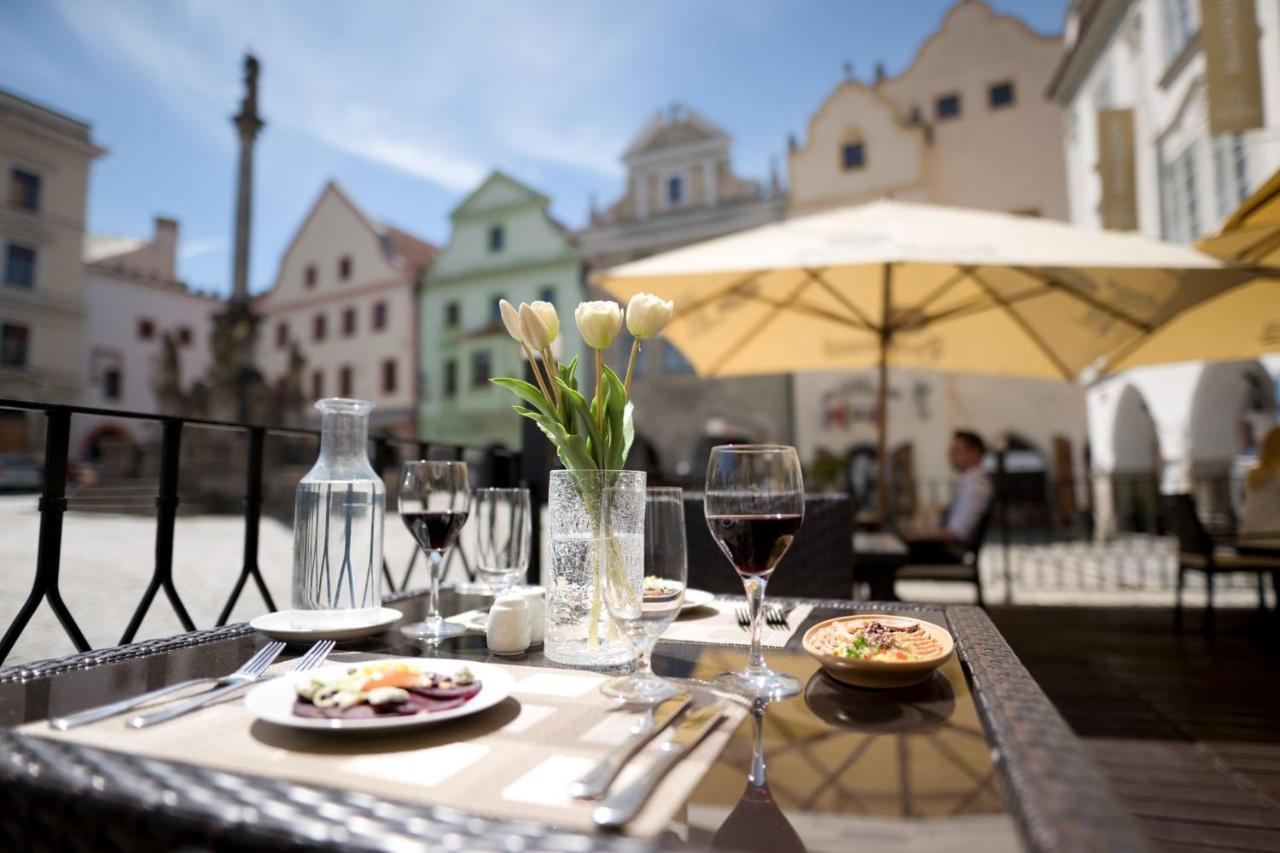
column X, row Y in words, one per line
column 504, row 245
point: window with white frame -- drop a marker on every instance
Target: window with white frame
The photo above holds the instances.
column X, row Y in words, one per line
column 1179, row 198
column 1178, row 27
column 1230, row 174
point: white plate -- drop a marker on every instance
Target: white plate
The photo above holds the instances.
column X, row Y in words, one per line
column 279, row 626
column 696, row 598
column 273, row 700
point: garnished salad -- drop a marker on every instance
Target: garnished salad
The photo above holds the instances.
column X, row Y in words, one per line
column 876, row 641
column 656, row 587
column 381, row 689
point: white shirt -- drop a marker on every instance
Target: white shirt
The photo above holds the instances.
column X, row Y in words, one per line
column 969, row 501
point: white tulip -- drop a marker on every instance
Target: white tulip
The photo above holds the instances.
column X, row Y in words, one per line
column 532, row 328
column 547, row 314
column 511, row 319
column 598, row 322
column 647, row 315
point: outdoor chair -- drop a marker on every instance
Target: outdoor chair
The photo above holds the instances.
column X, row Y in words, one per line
column 1199, row 551
column 819, row 563
column 958, row 563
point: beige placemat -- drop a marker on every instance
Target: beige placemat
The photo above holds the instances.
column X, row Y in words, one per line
column 717, row 623
column 512, row 761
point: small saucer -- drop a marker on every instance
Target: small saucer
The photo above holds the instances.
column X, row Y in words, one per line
column 280, row 626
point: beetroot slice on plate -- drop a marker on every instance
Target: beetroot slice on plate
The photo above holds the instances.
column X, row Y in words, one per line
column 421, row 700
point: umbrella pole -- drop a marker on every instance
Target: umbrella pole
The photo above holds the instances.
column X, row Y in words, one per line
column 882, row 406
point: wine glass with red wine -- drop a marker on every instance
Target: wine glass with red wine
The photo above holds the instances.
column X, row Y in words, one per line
column 434, row 500
column 754, row 506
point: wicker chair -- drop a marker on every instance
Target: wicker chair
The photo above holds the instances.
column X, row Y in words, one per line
column 1199, row 552
column 818, row 565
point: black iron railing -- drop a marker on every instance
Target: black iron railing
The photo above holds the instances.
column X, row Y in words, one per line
column 503, row 465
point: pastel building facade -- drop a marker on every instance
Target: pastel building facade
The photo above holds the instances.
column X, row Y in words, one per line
column 140, row 320
column 45, row 158
column 1142, row 153
column 344, row 300
column 503, row 244
column 682, row 188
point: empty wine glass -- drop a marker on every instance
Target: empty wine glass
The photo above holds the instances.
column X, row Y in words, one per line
column 498, row 536
column 643, row 614
column 434, row 499
column 754, row 505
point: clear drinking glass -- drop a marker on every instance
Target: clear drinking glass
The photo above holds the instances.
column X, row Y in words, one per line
column 498, row 536
column 434, row 500
column 642, row 618
column 754, row 506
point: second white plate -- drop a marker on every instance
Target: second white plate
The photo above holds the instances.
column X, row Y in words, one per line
column 280, row 626
column 696, row 598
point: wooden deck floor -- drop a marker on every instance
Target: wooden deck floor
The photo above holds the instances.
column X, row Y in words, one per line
column 1187, row 728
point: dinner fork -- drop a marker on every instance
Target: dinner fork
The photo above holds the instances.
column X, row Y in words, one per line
column 313, row 658
column 247, row 672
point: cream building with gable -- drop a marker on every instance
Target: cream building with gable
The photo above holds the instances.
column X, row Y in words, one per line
column 504, row 244
column 344, row 296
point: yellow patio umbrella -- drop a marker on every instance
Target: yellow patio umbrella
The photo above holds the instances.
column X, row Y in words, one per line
column 1242, row 323
column 914, row 285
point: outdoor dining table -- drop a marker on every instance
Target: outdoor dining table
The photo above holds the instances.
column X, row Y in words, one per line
column 877, row 555
column 975, row 758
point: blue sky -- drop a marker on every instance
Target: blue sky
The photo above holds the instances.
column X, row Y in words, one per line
column 408, row 104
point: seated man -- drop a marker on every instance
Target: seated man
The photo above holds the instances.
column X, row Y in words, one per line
column 958, row 524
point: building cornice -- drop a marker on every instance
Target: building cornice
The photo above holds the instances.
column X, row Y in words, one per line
column 1096, row 32
column 563, row 259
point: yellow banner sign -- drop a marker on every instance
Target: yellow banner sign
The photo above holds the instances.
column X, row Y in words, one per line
column 1119, row 205
column 1230, row 32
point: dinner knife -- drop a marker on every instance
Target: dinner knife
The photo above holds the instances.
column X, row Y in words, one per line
column 617, row 809
column 597, row 780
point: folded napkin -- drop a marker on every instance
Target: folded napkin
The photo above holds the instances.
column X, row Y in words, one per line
column 717, row 624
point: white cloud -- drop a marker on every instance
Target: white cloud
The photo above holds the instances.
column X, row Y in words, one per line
column 201, row 246
column 432, row 90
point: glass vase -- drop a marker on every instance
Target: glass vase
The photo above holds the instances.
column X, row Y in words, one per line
column 337, row 525
column 597, row 526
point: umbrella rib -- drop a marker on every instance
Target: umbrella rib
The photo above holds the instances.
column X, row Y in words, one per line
column 757, row 328
column 690, row 307
column 961, row 273
column 862, row 318
column 1085, row 298
column 1256, row 252
column 1026, row 327
column 977, row 305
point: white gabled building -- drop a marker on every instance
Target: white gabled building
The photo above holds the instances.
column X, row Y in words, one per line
column 1136, row 81
column 135, row 308
column 344, row 295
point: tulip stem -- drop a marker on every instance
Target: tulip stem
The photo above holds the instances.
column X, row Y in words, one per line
column 631, row 363
column 537, row 374
column 600, row 391
column 553, row 372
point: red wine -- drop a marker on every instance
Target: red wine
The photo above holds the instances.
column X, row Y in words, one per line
column 435, row 531
column 755, row 543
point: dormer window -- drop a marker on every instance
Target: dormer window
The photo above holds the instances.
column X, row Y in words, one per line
column 497, row 238
column 309, row 276
column 344, row 268
column 853, row 156
column 675, row 190
column 947, row 107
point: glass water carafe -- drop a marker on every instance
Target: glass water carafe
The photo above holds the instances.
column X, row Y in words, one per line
column 337, row 524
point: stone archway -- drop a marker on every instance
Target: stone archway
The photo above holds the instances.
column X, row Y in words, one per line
column 1232, row 407
column 1137, row 464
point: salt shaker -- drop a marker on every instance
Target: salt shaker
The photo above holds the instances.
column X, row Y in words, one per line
column 508, row 631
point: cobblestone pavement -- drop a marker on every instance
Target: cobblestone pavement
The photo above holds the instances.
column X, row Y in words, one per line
column 107, row 560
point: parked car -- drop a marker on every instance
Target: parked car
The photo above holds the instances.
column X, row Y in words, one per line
column 19, row 474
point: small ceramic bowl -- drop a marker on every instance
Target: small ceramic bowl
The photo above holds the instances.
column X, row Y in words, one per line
column 881, row 673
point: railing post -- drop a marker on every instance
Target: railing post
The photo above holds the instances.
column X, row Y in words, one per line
column 252, row 524
column 166, row 515
column 53, row 504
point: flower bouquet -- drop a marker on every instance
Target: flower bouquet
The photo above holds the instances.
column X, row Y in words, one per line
column 597, row 509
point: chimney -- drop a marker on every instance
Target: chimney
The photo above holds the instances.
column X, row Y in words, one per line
column 164, row 241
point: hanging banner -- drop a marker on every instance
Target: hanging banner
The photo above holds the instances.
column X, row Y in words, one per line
column 1119, row 205
column 1230, row 33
